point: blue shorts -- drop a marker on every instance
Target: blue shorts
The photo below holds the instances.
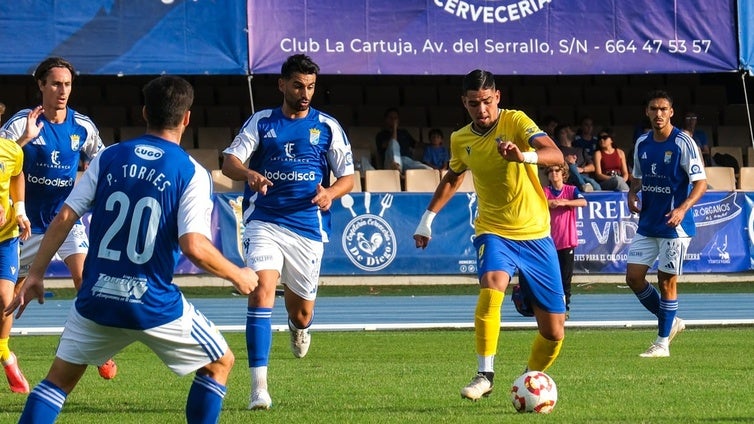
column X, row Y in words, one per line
column 9, row 259
column 536, row 262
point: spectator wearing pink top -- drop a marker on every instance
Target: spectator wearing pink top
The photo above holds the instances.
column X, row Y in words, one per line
column 563, row 200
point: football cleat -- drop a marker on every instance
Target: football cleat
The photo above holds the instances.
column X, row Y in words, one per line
column 16, row 379
column 678, row 326
column 108, row 370
column 656, row 351
column 260, row 400
column 300, row 340
column 479, row 386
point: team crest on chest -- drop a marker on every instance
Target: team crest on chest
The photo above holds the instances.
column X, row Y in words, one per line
column 314, row 136
column 75, row 141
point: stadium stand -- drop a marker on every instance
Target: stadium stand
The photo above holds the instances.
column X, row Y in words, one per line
column 720, row 178
column 422, row 180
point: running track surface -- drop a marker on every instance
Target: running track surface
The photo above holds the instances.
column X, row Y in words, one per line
column 418, row 312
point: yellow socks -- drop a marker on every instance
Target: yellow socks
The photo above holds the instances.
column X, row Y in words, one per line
column 4, row 350
column 487, row 321
column 543, row 353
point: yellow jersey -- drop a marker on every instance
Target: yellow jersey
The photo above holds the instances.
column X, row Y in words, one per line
column 11, row 164
column 510, row 199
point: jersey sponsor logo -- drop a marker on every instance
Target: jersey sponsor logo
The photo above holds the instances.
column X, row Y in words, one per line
column 52, row 182
column 288, row 147
column 368, row 240
column 695, row 169
column 55, row 157
column 314, row 136
column 126, row 288
column 147, row 152
column 655, row 189
column 289, row 176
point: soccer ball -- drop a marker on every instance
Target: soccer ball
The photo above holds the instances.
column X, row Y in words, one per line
column 534, row 391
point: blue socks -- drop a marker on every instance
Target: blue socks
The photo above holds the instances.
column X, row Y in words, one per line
column 205, row 401
column 43, row 404
column 259, row 336
column 668, row 309
column 650, row 298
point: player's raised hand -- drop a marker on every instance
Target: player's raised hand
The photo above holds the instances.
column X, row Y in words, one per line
column 33, row 125
column 510, row 151
column 32, row 287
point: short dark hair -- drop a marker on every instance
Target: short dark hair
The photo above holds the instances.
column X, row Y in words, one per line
column 435, row 131
column 477, row 80
column 166, row 99
column 298, row 63
column 390, row 110
column 658, row 94
column 43, row 69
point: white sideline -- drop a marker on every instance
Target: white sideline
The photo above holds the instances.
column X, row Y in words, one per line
column 436, row 326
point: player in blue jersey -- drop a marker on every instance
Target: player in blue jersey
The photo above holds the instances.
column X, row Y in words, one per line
column 54, row 137
column 288, row 195
column 669, row 172
column 149, row 200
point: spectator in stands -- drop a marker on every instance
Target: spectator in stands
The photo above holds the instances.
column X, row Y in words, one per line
column 548, row 125
column 2, row 111
column 700, row 137
column 585, row 137
column 610, row 167
column 53, row 137
column 436, row 154
column 563, row 199
column 579, row 163
column 396, row 145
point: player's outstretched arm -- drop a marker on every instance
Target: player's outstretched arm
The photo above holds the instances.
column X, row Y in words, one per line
column 33, row 287
column 205, row 255
column 445, row 190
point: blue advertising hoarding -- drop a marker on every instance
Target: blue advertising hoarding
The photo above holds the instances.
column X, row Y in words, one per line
column 126, row 37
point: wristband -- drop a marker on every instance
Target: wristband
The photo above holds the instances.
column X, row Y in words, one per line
column 531, row 157
column 425, row 225
column 20, row 208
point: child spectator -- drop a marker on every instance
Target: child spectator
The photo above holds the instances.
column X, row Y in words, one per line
column 436, row 154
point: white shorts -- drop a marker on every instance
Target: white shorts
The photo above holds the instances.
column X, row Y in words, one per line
column 669, row 253
column 184, row 345
column 297, row 259
column 75, row 242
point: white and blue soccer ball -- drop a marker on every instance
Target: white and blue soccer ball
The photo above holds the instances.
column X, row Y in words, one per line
column 535, row 392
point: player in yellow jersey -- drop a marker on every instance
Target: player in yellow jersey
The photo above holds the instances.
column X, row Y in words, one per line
column 502, row 149
column 13, row 223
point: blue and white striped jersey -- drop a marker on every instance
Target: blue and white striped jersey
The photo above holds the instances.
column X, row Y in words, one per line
column 666, row 170
column 51, row 161
column 295, row 155
column 143, row 195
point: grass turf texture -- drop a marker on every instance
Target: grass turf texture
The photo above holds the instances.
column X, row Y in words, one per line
column 416, row 376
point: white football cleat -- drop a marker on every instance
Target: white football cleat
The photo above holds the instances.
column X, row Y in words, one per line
column 479, row 386
column 678, row 326
column 656, row 351
column 300, row 340
column 260, row 400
